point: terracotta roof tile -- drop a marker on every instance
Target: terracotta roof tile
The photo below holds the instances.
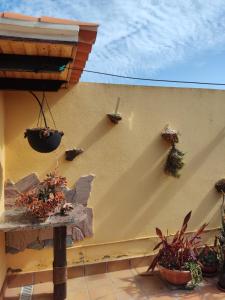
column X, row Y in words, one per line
column 76, row 73
column 92, row 26
column 57, row 20
column 87, row 36
column 82, row 47
column 82, row 55
column 12, row 15
column 80, row 64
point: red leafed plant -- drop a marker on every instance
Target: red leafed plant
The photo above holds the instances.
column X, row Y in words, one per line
column 180, row 252
column 43, row 200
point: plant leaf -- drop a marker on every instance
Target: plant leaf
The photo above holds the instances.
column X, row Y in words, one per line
column 199, row 232
column 154, row 263
column 157, row 246
column 159, row 233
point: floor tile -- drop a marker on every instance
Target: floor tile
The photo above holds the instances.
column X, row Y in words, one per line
column 43, row 296
column 43, row 288
column 12, row 293
column 76, row 284
column 77, row 295
column 122, row 285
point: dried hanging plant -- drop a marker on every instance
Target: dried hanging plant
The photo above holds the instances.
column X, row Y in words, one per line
column 174, row 162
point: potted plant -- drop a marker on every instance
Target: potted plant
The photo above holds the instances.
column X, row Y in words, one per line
column 43, row 139
column 208, row 259
column 177, row 259
column 47, row 198
column 220, row 187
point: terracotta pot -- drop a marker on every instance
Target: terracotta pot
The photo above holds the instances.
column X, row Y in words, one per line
column 209, row 270
column 175, row 277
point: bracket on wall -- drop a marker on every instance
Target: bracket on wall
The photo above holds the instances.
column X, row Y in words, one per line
column 170, row 135
column 115, row 117
column 220, row 186
column 73, row 153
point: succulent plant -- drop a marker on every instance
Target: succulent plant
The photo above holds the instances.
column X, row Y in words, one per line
column 174, row 162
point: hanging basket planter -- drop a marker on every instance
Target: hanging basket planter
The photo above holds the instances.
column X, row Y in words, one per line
column 43, row 140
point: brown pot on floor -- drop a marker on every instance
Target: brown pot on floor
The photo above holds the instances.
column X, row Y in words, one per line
column 175, row 277
column 209, row 271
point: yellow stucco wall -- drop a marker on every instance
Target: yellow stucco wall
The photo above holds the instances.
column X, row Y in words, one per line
column 131, row 194
column 2, row 166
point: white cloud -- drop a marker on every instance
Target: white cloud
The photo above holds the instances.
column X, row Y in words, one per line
column 139, row 37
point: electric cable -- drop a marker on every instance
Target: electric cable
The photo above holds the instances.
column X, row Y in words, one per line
column 148, row 79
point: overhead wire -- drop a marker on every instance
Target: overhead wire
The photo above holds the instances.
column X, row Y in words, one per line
column 148, row 79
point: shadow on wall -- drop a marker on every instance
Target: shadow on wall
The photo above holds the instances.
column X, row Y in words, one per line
column 209, row 208
column 143, row 190
column 134, row 189
column 98, row 132
column 102, row 128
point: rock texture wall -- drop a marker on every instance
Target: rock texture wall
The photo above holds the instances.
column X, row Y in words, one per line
column 38, row 239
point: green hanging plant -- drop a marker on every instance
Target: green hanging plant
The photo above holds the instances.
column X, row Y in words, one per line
column 174, row 162
column 196, row 273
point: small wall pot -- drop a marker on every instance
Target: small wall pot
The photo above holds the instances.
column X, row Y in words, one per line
column 175, row 277
column 43, row 140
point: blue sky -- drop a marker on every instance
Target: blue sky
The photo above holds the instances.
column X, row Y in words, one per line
column 169, row 39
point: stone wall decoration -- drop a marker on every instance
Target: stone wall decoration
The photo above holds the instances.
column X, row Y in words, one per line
column 37, row 239
column 116, row 116
column 174, row 162
column 73, row 153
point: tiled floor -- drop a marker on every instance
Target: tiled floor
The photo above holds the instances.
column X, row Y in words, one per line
column 122, row 285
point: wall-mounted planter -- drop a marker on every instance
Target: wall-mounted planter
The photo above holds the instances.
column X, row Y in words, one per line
column 114, row 117
column 73, row 153
column 170, row 135
column 43, row 140
column 220, row 186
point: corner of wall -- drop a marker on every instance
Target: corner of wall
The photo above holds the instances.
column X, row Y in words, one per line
column 3, row 265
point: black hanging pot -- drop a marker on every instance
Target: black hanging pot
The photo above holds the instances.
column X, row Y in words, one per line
column 43, row 140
